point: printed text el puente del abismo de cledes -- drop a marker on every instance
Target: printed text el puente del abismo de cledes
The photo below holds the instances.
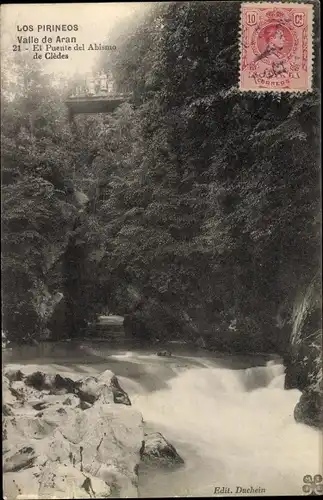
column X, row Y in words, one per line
column 53, row 41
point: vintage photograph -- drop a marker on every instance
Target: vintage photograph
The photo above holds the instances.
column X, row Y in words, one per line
column 161, row 250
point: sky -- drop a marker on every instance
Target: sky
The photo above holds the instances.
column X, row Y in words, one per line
column 94, row 21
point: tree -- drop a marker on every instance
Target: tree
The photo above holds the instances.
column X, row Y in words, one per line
column 215, row 219
column 38, row 205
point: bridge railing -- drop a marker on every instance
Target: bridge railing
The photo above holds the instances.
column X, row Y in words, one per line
column 101, row 85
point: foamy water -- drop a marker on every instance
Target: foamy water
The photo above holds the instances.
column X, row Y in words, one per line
column 234, row 428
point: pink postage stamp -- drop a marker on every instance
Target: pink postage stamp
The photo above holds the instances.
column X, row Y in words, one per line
column 276, row 47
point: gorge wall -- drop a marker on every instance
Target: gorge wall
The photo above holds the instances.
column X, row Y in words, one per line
column 203, row 221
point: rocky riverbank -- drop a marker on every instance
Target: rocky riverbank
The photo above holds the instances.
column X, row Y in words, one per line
column 66, row 436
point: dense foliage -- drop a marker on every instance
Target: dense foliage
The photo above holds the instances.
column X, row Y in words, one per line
column 215, row 220
column 203, row 214
column 41, row 160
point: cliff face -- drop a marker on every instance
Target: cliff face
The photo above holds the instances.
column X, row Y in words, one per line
column 228, row 331
column 304, row 358
column 33, row 274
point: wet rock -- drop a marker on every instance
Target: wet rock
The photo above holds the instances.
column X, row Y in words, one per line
column 105, row 442
column 17, row 389
column 37, row 380
column 309, row 409
column 53, row 400
column 53, row 447
column 58, row 449
column 84, row 405
column 119, row 395
column 105, row 377
column 6, row 410
column 56, row 415
column 106, row 395
column 23, row 482
column 40, row 405
column 70, row 401
column 92, row 390
column 106, row 388
column 24, row 394
column 65, row 481
column 87, row 390
column 142, row 448
column 157, row 450
column 7, row 395
column 60, row 385
column 24, row 428
column 61, row 411
column 303, row 359
column 17, row 460
column 14, row 375
column 164, row 353
column 5, row 446
column 55, row 383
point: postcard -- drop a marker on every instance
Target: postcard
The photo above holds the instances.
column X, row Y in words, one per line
column 161, row 237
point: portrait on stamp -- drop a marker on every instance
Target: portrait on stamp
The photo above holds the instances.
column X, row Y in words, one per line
column 276, row 47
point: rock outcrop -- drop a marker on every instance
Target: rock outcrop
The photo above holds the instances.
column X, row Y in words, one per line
column 164, row 353
column 66, row 437
column 156, row 450
column 309, row 409
column 304, row 359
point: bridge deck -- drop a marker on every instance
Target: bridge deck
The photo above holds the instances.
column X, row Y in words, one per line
column 95, row 103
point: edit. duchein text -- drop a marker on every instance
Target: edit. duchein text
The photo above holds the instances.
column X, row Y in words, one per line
column 225, row 490
column 222, row 490
column 251, row 489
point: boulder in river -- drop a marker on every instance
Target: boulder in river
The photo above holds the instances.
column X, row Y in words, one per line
column 106, row 388
column 119, row 395
column 53, row 382
column 303, row 360
column 164, row 353
column 309, row 409
column 87, row 390
column 156, row 450
column 14, row 375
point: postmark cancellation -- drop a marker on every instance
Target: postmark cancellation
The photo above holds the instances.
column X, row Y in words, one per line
column 276, row 47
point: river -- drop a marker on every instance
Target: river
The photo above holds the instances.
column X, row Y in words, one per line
column 229, row 417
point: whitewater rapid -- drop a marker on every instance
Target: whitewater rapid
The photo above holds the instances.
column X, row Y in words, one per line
column 231, row 421
column 234, row 428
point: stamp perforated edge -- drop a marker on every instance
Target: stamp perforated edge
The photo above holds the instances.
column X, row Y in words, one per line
column 258, row 92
